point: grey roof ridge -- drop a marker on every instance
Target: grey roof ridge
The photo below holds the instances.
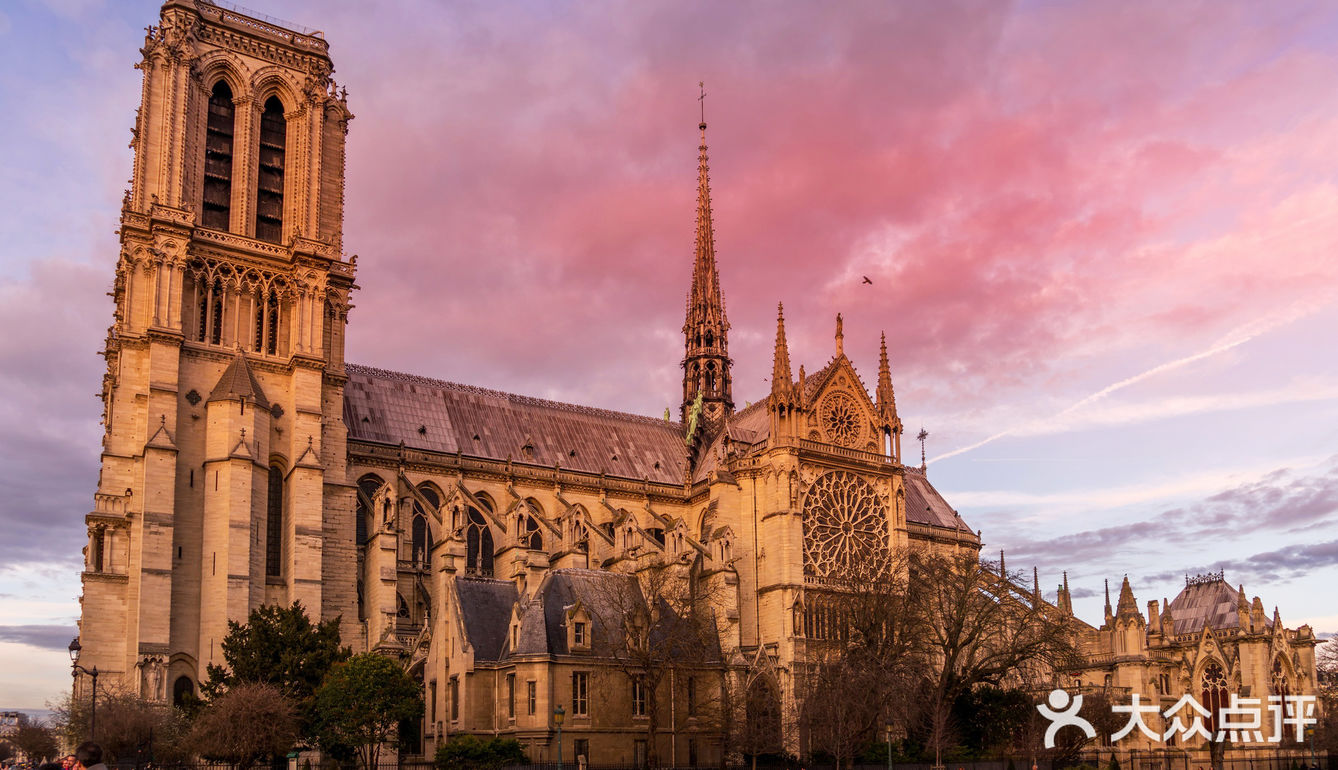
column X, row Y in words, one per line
column 419, row 379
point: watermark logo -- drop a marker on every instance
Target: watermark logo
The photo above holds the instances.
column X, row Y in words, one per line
column 1242, row 721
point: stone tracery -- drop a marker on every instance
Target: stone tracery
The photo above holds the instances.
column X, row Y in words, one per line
column 845, row 523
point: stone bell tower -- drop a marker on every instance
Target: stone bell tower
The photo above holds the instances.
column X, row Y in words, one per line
column 223, row 483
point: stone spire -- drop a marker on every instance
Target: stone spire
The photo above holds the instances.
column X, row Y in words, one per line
column 1128, row 605
column 781, row 383
column 840, row 336
column 1109, row 614
column 1242, row 609
column 887, row 401
column 705, row 327
column 1065, row 601
column 1036, row 582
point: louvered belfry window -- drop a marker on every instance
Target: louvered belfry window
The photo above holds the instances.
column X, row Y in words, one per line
column 217, row 203
column 269, row 180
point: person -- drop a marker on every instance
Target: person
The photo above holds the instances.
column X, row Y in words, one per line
column 89, row 756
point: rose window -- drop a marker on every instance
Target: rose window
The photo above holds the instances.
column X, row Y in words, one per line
column 840, row 419
column 845, row 524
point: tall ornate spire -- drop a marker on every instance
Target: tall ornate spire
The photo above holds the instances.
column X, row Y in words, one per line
column 887, row 402
column 705, row 327
column 781, row 382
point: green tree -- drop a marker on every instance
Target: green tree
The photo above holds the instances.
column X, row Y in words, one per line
column 360, row 706
column 250, row 722
column 282, row 647
column 36, row 741
column 468, row 751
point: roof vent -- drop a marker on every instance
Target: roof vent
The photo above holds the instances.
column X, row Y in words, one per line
column 476, row 437
column 572, row 453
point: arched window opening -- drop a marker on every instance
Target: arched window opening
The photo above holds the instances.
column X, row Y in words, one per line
column 182, row 690
column 269, row 180
column 1280, row 684
column 96, row 547
column 580, row 538
column 710, row 379
column 1214, row 694
column 421, row 540
column 401, row 607
column 274, row 523
column 212, row 314
column 710, row 339
column 368, row 486
column 216, row 207
column 267, row 322
column 201, row 311
column 657, row 535
column 528, row 533
column 418, row 543
column 478, row 545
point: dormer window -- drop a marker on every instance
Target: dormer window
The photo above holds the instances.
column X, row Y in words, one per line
column 578, row 634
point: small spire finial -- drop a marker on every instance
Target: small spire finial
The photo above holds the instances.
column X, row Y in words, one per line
column 840, row 336
column 924, row 434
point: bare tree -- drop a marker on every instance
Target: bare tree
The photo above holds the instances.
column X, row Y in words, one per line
column 862, row 657
column 128, row 727
column 249, row 722
column 975, row 628
column 1326, row 665
column 650, row 624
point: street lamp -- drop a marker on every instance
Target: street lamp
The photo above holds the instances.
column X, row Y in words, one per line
column 889, row 726
column 76, row 670
column 559, row 714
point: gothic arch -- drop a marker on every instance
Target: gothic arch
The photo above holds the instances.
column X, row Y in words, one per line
column 224, row 65
column 273, row 81
column 365, row 509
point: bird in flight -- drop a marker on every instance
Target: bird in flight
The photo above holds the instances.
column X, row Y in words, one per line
column 866, row 279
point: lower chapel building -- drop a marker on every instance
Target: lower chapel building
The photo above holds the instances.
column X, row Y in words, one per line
column 488, row 540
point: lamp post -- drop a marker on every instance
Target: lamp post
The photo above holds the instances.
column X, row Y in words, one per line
column 558, row 714
column 75, row 671
column 889, row 726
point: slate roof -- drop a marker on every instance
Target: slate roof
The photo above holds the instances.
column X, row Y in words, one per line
column 485, row 607
column 1213, row 603
column 238, row 382
column 924, row 505
column 388, row 407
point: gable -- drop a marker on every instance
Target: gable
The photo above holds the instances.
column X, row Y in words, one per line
column 840, row 411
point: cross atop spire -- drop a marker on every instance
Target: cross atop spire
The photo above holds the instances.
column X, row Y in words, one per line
column 924, row 434
column 705, row 326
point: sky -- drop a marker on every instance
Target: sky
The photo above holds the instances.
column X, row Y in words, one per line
column 1100, row 236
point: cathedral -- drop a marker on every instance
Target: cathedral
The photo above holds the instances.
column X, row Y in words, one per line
column 481, row 537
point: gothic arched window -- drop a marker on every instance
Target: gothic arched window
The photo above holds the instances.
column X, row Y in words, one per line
column 368, row 486
column 478, row 544
column 1214, row 694
column 216, row 206
column 1280, row 684
column 274, row 523
column 420, row 549
column 267, row 321
column 216, row 314
column 269, row 180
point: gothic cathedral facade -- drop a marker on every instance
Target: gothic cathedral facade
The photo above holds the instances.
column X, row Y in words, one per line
column 466, row 531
